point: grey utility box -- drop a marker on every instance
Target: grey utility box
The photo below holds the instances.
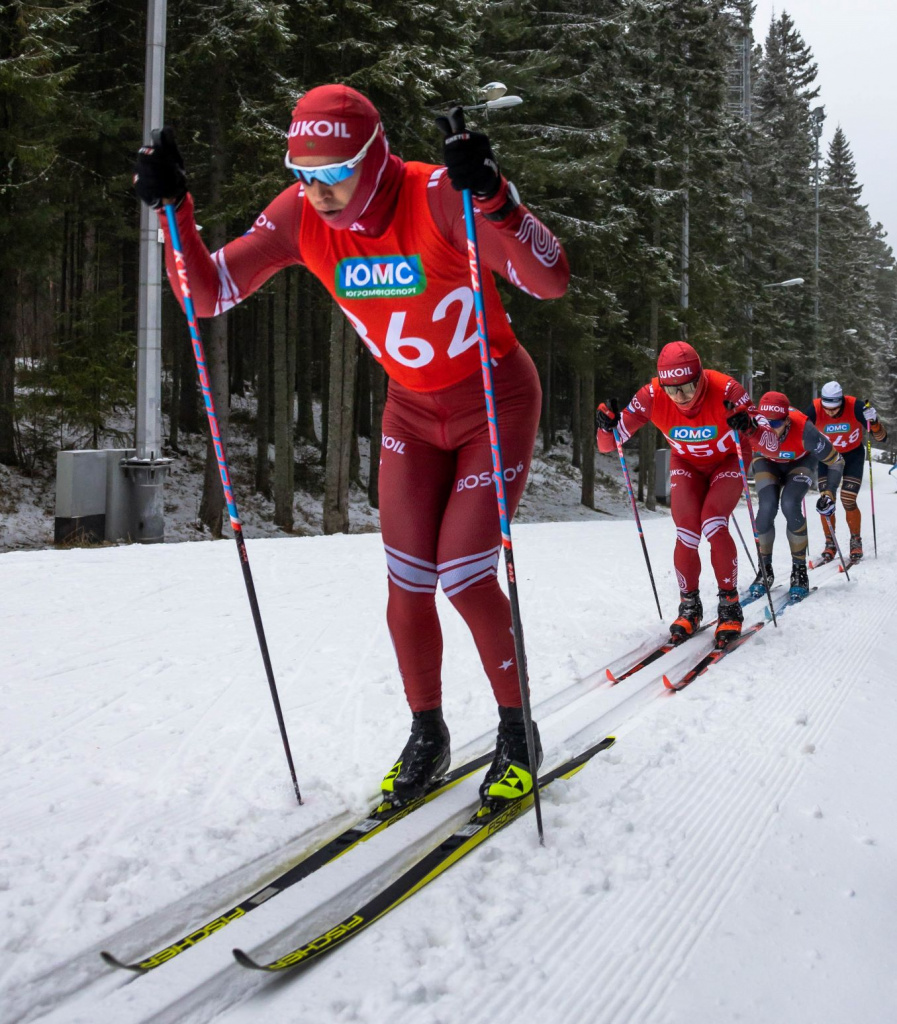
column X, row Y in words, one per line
column 662, row 475
column 108, row 495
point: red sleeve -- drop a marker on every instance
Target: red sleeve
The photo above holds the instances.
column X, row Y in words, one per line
column 222, row 279
column 762, row 436
column 520, row 247
column 632, row 418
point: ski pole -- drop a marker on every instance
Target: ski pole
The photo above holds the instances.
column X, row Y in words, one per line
column 218, row 444
column 747, row 498
column 871, row 485
column 498, row 475
column 638, row 522
column 829, row 530
column 747, row 550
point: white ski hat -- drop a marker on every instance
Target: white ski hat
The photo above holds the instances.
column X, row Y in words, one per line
column 832, row 393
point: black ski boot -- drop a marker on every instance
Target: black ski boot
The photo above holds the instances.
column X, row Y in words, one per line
column 856, row 547
column 423, row 761
column 800, row 583
column 764, row 579
column 691, row 611
column 509, row 778
column 729, row 618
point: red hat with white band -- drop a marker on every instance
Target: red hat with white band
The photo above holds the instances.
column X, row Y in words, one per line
column 774, row 405
column 678, row 363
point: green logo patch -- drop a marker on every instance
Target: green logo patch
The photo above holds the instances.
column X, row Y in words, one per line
column 380, row 277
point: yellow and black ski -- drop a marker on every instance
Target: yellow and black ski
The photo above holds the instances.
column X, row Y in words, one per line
column 378, row 820
column 425, row 870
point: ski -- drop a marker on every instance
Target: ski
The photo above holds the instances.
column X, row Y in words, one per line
column 430, row 866
column 718, row 653
column 712, row 657
column 790, row 603
column 378, row 820
column 653, row 654
column 668, row 645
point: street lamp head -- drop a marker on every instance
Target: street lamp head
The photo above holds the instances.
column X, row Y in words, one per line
column 792, row 282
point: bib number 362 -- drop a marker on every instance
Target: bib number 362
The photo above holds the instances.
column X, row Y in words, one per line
column 417, row 352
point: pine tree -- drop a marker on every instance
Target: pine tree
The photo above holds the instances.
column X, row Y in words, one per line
column 34, row 65
column 852, row 254
column 782, row 214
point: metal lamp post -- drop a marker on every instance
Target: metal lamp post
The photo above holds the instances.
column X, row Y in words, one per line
column 792, row 282
column 147, row 469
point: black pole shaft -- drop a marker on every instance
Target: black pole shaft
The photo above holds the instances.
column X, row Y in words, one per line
column 266, row 657
column 831, row 532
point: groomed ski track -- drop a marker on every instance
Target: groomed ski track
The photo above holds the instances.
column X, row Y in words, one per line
column 645, row 905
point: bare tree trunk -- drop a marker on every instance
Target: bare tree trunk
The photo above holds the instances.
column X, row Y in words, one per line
column 284, row 458
column 341, row 421
column 263, row 396
column 305, row 413
column 575, row 424
column 361, row 409
column 188, row 413
column 8, row 293
column 378, row 400
column 586, row 422
column 547, row 397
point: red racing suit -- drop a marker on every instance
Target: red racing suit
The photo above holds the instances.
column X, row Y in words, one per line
column 402, row 277
column 705, row 478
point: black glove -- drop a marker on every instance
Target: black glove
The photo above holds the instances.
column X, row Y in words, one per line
column 607, row 415
column 740, row 420
column 468, row 157
column 825, row 506
column 160, row 171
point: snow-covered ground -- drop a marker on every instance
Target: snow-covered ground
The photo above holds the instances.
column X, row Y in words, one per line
column 732, row 858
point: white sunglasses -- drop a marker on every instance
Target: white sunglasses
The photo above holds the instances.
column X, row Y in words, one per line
column 330, row 174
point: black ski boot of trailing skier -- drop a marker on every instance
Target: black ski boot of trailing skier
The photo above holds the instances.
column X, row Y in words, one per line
column 764, row 578
column 691, row 611
column 424, row 759
column 800, row 582
column 729, row 618
column 509, row 778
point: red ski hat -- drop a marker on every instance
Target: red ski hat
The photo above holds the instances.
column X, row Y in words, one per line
column 774, row 405
column 678, row 363
column 331, row 120
column 337, row 121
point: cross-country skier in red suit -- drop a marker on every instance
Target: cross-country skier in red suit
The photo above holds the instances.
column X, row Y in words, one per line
column 844, row 420
column 697, row 410
column 784, row 478
column 387, row 239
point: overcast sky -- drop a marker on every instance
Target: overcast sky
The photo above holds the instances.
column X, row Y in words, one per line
column 854, row 43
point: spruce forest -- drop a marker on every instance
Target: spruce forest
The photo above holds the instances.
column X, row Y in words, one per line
column 672, row 145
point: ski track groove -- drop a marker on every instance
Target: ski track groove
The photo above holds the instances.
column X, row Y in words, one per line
column 124, row 823
column 663, row 926
column 749, row 799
